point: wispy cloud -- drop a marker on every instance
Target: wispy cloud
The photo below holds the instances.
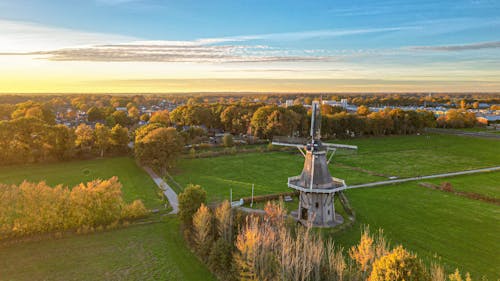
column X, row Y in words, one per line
column 461, row 47
column 18, row 36
column 170, row 52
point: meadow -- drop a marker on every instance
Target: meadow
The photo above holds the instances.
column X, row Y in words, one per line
column 458, row 232
column 139, row 252
column 379, row 158
column 136, row 183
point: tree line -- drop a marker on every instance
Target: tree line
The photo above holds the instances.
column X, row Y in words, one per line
column 31, row 140
column 34, row 208
column 30, row 135
column 237, row 246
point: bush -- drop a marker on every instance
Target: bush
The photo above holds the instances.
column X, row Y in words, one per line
column 228, row 140
column 189, row 201
column 32, row 208
column 135, row 210
column 399, row 265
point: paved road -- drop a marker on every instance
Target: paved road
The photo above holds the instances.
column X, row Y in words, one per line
column 373, row 184
column 167, row 190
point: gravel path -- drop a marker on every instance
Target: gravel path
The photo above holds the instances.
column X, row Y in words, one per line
column 167, row 190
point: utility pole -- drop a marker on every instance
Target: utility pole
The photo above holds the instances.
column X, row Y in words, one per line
column 251, row 204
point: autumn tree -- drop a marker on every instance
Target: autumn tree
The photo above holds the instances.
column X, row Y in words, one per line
column 202, row 236
column 95, row 114
column 399, row 265
column 363, row 110
column 159, row 148
column 223, row 220
column 102, row 138
column 162, row 116
column 119, row 139
column 84, row 138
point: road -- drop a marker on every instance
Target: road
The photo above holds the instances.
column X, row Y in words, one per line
column 373, row 184
column 167, row 190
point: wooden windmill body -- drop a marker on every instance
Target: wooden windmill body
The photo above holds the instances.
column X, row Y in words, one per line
column 316, row 185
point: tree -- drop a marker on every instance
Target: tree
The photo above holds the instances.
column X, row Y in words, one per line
column 228, row 140
column 133, row 112
column 189, row 201
column 363, row 110
column 94, row 114
column 220, row 259
column 399, row 265
column 62, row 142
column 159, row 148
column 120, row 117
column 102, row 138
column 223, row 221
column 84, row 137
column 202, row 224
column 119, row 138
column 160, row 117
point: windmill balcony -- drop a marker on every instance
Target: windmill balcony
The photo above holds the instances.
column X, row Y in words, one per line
column 293, row 182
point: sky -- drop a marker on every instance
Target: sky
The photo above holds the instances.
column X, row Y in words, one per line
column 152, row 46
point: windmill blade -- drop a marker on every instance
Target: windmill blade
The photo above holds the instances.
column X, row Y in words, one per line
column 287, row 144
column 338, row 145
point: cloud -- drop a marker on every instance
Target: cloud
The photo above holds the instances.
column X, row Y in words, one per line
column 463, row 47
column 18, row 36
column 170, row 52
column 59, row 44
column 325, row 33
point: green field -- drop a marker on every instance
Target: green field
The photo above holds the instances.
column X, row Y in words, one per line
column 142, row 252
column 136, row 183
column 402, row 156
column 459, row 231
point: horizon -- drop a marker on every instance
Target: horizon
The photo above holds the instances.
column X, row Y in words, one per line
column 162, row 47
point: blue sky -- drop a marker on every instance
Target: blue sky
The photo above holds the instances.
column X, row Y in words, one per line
column 416, row 43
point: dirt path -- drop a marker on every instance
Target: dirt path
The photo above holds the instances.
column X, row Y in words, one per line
column 167, row 190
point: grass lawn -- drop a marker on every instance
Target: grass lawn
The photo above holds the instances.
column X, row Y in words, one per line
column 136, row 183
column 407, row 156
column 268, row 171
column 143, row 252
column 402, row 156
column 459, row 232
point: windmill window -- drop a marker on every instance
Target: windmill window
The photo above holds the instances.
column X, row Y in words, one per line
column 317, row 205
column 328, row 212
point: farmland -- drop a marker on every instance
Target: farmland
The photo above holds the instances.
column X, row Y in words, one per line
column 459, row 231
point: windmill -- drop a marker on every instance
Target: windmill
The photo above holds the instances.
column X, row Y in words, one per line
column 315, row 184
